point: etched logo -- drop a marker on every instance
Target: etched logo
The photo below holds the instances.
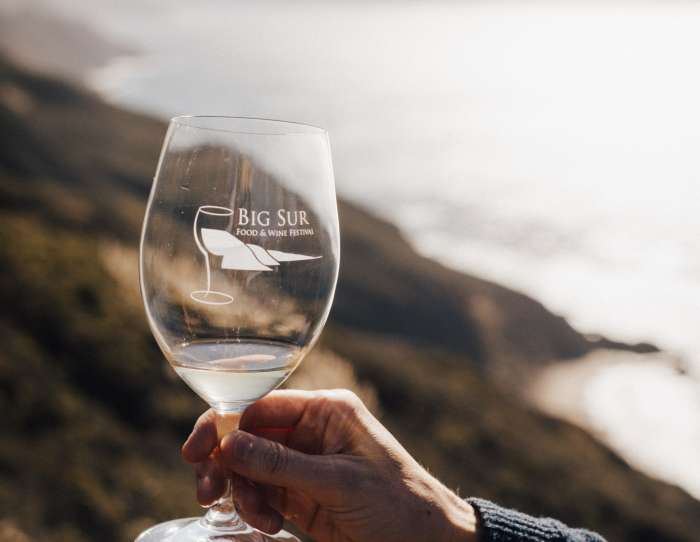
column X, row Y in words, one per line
column 235, row 253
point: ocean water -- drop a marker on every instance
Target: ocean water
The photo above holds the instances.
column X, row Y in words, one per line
column 648, row 412
column 550, row 147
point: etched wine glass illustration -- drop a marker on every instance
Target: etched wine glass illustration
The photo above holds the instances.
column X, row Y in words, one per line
column 213, row 245
column 238, row 266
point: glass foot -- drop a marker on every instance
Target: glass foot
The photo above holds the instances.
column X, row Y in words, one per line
column 193, row 530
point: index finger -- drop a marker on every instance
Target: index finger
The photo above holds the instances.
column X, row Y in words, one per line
column 279, row 410
column 203, row 439
column 272, row 417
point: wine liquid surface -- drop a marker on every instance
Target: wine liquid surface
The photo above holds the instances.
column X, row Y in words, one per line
column 232, row 374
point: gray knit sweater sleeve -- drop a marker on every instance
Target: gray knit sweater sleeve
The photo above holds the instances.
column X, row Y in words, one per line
column 503, row 525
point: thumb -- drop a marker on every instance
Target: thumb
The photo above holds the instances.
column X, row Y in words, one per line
column 270, row 462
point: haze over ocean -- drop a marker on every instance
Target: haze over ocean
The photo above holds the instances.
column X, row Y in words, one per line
column 552, row 148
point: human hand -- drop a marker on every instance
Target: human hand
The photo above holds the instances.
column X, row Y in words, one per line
column 322, row 461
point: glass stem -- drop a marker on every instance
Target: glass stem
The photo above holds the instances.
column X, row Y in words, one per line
column 222, row 515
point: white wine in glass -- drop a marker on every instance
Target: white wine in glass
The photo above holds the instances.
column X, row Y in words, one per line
column 238, row 265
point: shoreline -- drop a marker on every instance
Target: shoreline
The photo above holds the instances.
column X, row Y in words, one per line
column 642, row 406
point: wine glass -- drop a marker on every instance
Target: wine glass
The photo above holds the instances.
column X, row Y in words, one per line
column 238, row 265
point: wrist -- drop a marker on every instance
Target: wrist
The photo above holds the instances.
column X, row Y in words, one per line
column 453, row 519
column 463, row 521
column 459, row 518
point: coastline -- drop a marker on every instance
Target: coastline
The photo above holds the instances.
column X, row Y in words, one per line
column 592, row 392
column 642, row 406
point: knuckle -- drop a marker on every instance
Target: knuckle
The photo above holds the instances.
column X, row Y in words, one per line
column 246, row 516
column 265, row 522
column 204, row 421
column 344, row 400
column 206, row 416
column 237, row 449
column 271, row 524
column 275, row 458
column 247, row 500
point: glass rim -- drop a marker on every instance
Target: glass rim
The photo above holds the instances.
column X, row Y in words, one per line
column 256, row 125
column 215, row 210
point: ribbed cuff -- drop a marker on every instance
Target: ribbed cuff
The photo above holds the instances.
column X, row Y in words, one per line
column 503, row 525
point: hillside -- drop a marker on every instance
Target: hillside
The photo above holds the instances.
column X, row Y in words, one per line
column 34, row 36
column 94, row 417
